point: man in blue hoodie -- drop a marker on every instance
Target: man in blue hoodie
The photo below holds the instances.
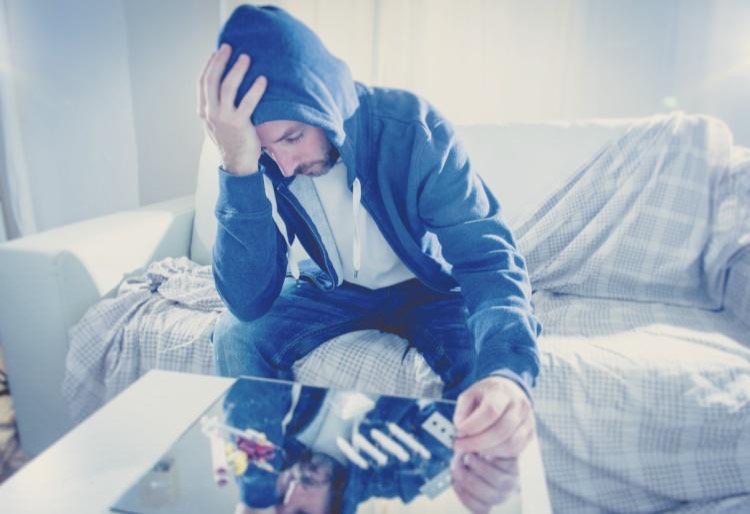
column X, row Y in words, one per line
column 403, row 234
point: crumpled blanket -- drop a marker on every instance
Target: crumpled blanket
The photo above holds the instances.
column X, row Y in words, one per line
column 656, row 216
column 161, row 319
column 164, row 319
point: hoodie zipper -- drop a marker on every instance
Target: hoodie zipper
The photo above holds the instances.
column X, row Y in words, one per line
column 326, row 260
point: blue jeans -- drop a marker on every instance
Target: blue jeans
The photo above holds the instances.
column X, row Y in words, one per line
column 304, row 317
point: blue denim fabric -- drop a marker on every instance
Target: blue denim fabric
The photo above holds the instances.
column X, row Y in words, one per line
column 305, row 316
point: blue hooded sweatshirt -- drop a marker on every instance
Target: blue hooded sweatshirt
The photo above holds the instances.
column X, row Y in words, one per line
column 416, row 182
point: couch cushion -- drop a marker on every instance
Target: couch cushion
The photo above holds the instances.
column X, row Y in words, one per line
column 206, row 194
column 522, row 163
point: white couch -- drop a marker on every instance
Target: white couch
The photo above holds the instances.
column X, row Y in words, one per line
column 49, row 280
column 642, row 406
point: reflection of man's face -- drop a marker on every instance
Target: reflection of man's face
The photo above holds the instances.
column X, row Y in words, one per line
column 306, row 486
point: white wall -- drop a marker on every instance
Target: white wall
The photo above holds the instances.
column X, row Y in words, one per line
column 3, row 234
column 74, row 107
column 169, row 42
column 106, row 89
column 105, row 95
column 511, row 60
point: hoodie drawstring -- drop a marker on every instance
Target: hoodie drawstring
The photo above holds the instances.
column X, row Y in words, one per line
column 290, row 251
column 356, row 243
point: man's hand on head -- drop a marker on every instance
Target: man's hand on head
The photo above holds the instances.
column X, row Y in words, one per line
column 494, row 422
column 228, row 126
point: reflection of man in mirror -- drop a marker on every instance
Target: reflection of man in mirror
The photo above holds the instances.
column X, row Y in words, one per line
column 309, row 471
column 296, row 478
column 314, row 484
column 404, row 235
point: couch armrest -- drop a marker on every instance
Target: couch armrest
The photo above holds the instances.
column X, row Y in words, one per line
column 49, row 280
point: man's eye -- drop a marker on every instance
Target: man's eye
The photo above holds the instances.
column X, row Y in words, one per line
column 294, row 139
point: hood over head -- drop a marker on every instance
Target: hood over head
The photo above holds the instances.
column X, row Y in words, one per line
column 306, row 82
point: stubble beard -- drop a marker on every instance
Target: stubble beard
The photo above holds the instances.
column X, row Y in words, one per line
column 322, row 166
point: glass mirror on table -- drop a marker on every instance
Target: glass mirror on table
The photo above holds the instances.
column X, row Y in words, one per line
column 281, row 447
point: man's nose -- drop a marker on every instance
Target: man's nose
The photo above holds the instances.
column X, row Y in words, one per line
column 287, row 165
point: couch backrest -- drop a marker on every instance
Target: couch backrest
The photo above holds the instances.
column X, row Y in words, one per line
column 523, row 163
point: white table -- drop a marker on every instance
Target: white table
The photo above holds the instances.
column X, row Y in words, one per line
column 89, row 468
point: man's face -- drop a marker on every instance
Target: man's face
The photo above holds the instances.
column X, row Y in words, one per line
column 297, row 148
column 306, row 487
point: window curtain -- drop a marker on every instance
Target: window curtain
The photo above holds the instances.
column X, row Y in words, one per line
column 15, row 197
column 482, row 61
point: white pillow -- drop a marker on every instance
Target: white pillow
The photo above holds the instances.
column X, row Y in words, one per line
column 523, row 163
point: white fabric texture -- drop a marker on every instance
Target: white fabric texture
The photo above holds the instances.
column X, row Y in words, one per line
column 642, row 407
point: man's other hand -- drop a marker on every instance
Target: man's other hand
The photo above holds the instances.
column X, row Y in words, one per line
column 493, row 418
column 230, row 128
column 480, row 483
column 494, row 423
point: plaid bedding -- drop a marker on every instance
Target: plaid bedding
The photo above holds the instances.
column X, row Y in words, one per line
column 642, row 269
column 642, row 407
column 162, row 319
column 655, row 216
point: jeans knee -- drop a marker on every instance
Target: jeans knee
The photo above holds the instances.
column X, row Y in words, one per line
column 237, row 349
column 228, row 328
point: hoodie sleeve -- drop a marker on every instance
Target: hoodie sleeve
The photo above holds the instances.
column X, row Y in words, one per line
column 459, row 208
column 249, row 254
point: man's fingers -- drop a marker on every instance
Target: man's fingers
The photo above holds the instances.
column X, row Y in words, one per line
column 494, row 471
column 212, row 78
column 252, row 97
column 516, row 443
column 481, row 483
column 228, row 90
column 201, row 89
column 490, row 408
column 483, row 416
column 465, row 404
column 506, row 465
column 474, row 504
column 500, row 430
column 478, row 475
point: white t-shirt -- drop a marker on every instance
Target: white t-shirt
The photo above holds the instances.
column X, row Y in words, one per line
column 380, row 266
